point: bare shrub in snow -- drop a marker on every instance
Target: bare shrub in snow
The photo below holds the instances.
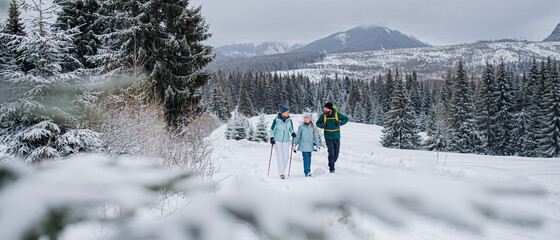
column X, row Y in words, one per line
column 135, row 124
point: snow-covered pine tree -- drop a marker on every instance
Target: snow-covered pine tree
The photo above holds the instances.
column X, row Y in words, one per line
column 230, row 128
column 549, row 137
column 251, row 134
column 10, row 39
column 261, row 132
column 360, row 114
column 120, row 21
column 163, row 38
column 14, row 24
column 3, row 51
column 533, row 91
column 377, row 113
column 521, row 116
column 218, row 104
column 485, row 107
column 387, row 92
column 309, row 94
column 270, row 106
column 245, row 106
column 353, row 100
column 503, row 122
column 463, row 135
column 175, row 55
column 399, row 129
column 436, row 124
column 366, row 107
column 241, row 128
column 80, row 14
column 37, row 120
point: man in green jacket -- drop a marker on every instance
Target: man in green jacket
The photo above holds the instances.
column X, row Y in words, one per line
column 330, row 121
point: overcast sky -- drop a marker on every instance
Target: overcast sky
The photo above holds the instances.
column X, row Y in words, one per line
column 438, row 22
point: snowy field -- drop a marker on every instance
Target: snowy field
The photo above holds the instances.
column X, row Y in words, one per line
column 376, row 193
column 458, row 196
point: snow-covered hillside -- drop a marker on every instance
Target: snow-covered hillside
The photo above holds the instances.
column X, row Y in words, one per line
column 458, row 196
column 429, row 62
column 246, row 50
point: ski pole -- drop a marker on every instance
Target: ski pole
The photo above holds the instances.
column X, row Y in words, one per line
column 291, row 152
column 270, row 160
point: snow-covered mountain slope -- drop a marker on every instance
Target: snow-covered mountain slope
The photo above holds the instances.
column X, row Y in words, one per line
column 555, row 35
column 430, row 62
column 410, row 194
column 247, row 50
column 363, row 39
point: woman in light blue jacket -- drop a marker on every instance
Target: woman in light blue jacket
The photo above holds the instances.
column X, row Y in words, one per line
column 308, row 141
column 280, row 132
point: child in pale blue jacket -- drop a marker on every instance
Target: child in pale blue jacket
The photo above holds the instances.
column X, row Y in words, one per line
column 308, row 141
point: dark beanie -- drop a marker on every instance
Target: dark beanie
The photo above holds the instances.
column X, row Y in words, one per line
column 329, row 106
column 284, row 109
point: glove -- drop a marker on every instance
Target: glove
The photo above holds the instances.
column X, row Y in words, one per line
column 294, row 135
column 315, row 149
column 272, row 141
column 338, row 123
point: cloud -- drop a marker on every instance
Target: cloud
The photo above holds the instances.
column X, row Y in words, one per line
column 436, row 21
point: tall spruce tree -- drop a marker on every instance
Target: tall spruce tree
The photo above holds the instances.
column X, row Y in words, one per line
column 163, row 38
column 81, row 14
column 529, row 145
column 10, row 39
column 485, row 107
column 218, row 104
column 399, row 130
column 463, row 135
column 245, row 106
column 353, row 100
column 549, row 137
column 14, row 23
column 436, row 124
column 503, row 122
column 175, row 54
column 241, row 128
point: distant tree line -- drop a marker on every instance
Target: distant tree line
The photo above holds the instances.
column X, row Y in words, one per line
column 267, row 63
column 498, row 112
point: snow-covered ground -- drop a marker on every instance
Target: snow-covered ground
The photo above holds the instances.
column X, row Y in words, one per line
column 521, row 195
column 429, row 62
column 376, row 193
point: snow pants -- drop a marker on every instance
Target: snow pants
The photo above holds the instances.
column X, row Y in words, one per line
column 306, row 162
column 282, row 156
column 333, row 145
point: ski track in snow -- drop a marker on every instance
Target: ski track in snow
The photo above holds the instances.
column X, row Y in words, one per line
column 361, row 154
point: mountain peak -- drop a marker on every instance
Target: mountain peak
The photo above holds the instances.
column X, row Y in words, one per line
column 554, row 36
column 363, row 38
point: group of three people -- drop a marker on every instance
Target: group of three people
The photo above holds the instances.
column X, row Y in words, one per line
column 283, row 137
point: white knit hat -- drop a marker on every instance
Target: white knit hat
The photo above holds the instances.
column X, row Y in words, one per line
column 308, row 115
